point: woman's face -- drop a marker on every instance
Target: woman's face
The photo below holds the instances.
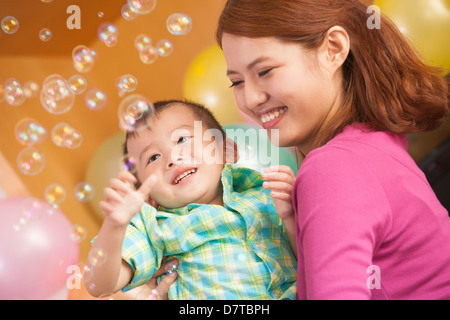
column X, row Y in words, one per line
column 281, row 86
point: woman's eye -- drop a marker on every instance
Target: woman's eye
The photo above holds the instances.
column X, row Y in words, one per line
column 153, row 158
column 235, row 83
column 183, row 139
column 263, row 73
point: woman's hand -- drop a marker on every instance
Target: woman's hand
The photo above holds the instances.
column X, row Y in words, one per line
column 154, row 291
column 280, row 180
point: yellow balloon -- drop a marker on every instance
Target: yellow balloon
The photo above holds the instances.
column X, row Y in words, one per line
column 103, row 166
column 206, row 82
column 426, row 23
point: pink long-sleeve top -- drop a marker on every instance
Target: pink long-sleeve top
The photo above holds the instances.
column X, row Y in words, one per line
column 369, row 226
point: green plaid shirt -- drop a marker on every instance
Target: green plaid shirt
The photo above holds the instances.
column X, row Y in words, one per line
column 239, row 251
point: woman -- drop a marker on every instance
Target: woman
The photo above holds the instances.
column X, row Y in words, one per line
column 368, row 224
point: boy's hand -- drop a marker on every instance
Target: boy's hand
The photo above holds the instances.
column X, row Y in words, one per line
column 121, row 202
column 280, row 180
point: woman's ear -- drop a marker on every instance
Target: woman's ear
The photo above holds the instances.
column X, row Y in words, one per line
column 231, row 151
column 335, row 47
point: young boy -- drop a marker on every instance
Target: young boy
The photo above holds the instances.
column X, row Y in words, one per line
column 218, row 221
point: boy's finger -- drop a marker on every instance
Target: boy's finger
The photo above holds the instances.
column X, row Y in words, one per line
column 147, row 186
column 127, row 176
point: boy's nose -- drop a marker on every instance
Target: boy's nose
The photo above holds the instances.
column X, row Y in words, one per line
column 174, row 161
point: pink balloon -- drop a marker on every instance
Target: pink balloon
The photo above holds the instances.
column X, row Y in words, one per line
column 35, row 249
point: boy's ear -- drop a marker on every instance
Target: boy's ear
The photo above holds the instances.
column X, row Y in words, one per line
column 231, row 151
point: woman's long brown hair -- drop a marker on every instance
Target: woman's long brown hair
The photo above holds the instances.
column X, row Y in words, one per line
column 386, row 83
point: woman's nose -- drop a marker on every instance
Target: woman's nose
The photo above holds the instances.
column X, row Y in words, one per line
column 254, row 95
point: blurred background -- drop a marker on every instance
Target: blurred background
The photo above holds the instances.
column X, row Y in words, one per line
column 65, row 68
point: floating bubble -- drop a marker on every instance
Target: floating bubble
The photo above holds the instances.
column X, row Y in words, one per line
column 63, row 135
column 134, row 111
column 84, row 192
column 142, row 6
column 33, row 209
column 100, row 14
column 179, row 24
column 97, row 257
column 13, row 93
column 31, row 89
column 10, row 25
column 30, row 161
column 108, row 34
column 127, row 163
column 128, row 13
column 127, row 83
column 45, row 34
column 95, row 99
column 55, row 96
column 77, row 84
column 164, row 47
column 54, row 194
column 148, row 54
column 83, row 58
column 141, row 41
column 29, row 132
column 78, row 233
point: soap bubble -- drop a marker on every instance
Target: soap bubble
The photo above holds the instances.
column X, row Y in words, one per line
column 54, row 194
column 164, row 47
column 179, row 24
column 33, row 209
column 55, row 96
column 45, row 34
column 141, row 41
column 142, row 6
column 63, row 135
column 108, row 34
column 77, row 84
column 127, row 83
column 97, row 257
column 84, row 192
column 29, row 132
column 78, row 233
column 83, row 58
column 13, row 92
column 128, row 13
column 95, row 99
column 31, row 89
column 134, row 111
column 148, row 54
column 100, row 14
column 10, row 25
column 127, row 163
column 30, row 161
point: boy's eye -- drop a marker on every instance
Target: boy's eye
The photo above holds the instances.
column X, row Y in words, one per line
column 153, row 158
column 183, row 139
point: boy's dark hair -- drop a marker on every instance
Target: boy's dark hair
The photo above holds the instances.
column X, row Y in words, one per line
column 200, row 112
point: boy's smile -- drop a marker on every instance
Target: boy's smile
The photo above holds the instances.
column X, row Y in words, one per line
column 174, row 149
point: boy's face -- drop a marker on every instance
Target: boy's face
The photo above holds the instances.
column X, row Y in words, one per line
column 186, row 160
